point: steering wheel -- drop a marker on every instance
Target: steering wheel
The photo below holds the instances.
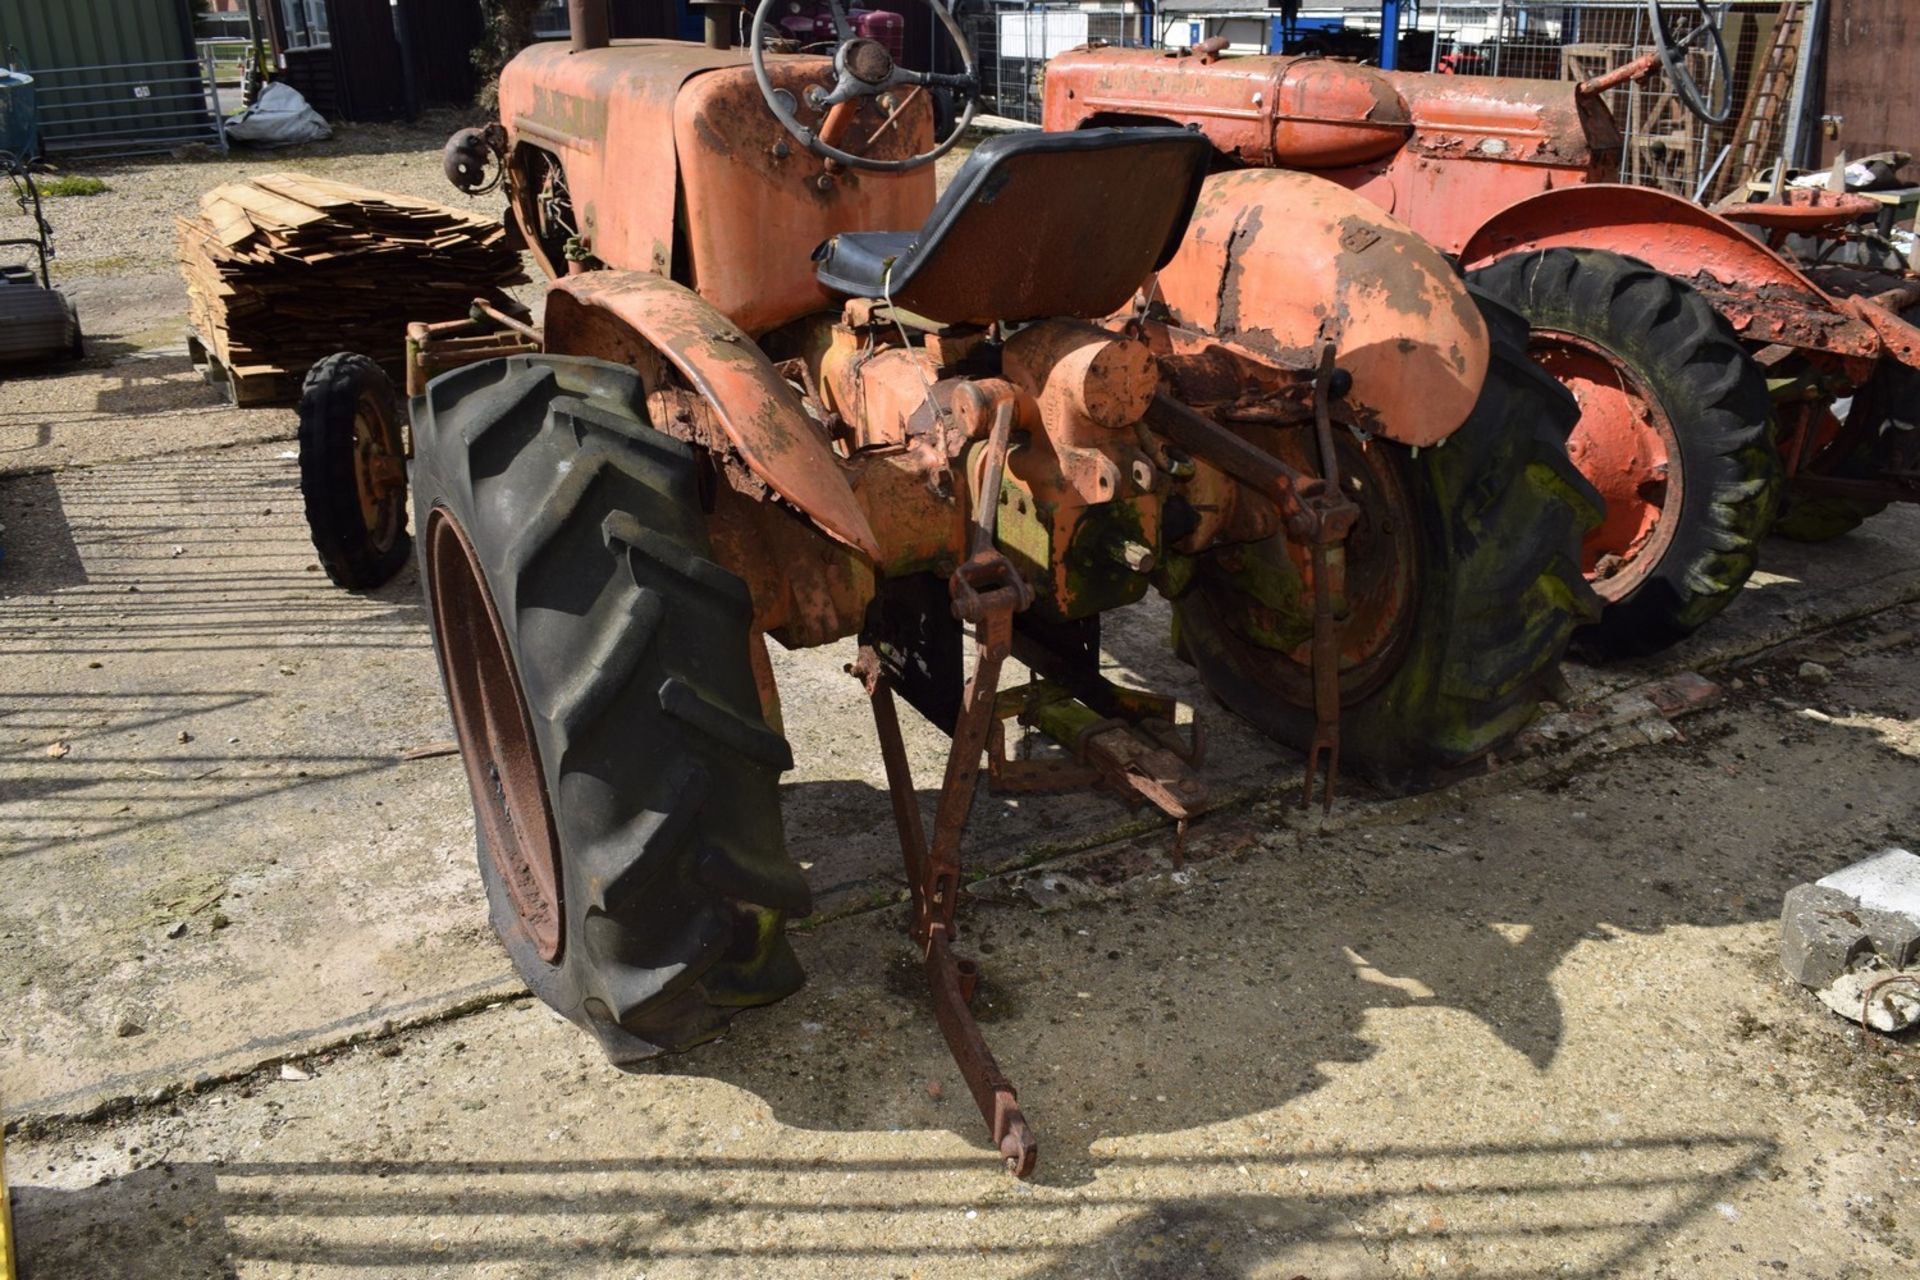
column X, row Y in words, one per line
column 864, row 69
column 1673, row 58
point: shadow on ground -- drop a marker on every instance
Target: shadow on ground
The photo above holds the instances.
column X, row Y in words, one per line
column 208, row 1220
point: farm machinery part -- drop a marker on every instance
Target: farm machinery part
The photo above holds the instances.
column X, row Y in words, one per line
column 778, row 390
column 1686, row 335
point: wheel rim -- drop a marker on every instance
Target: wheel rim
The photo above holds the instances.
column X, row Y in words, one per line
column 1382, row 581
column 1626, row 447
column 382, row 511
column 495, row 732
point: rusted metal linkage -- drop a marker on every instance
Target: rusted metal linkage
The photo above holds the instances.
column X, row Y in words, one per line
column 1316, row 514
column 986, row 592
column 1240, row 458
column 1137, row 756
column 933, row 875
column 1642, row 66
column 1334, row 517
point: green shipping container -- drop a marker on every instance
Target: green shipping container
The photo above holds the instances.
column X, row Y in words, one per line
column 111, row 77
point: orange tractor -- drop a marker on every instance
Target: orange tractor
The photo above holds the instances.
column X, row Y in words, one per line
column 779, row 389
column 1726, row 389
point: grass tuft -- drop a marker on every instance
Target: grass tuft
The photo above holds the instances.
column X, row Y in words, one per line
column 72, row 184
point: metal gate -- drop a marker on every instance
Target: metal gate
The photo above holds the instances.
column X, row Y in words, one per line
column 129, row 108
column 1015, row 38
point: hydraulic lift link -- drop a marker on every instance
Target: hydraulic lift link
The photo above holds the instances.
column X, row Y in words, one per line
column 1316, row 514
column 987, row 591
column 1333, row 517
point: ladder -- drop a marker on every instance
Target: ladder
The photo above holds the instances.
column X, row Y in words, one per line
column 1754, row 137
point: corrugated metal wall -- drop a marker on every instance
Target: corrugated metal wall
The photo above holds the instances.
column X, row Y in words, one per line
column 84, row 33
column 152, row 97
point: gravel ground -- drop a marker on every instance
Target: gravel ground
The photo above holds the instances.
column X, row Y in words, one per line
column 128, row 230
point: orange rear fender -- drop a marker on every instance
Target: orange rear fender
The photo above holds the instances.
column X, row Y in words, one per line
column 1765, row 298
column 629, row 316
column 1274, row 263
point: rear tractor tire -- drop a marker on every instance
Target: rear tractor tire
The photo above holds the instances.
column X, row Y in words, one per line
column 351, row 455
column 1676, row 432
column 1463, row 580
column 624, row 779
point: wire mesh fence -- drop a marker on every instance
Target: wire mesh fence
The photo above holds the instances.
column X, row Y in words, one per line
column 1014, row 41
column 1665, row 145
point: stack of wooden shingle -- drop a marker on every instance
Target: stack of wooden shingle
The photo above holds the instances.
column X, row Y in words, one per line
column 285, row 268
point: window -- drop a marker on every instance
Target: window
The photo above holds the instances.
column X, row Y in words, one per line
column 306, row 23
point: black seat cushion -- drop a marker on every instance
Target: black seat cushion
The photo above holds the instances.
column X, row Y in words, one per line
column 1034, row 224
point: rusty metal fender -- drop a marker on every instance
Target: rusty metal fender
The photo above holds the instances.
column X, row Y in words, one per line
column 1765, row 298
column 1275, row 263
column 1901, row 339
column 599, row 313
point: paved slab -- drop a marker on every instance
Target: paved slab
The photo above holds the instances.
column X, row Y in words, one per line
column 1538, row 1034
column 344, row 872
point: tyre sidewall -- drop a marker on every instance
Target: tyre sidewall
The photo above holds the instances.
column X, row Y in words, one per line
column 1712, row 393
column 679, row 940
column 331, row 398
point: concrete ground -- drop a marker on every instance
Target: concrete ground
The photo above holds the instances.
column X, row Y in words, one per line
column 253, row 1022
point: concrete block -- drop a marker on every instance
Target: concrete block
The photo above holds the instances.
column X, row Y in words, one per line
column 1820, row 935
column 1842, row 933
column 1888, row 881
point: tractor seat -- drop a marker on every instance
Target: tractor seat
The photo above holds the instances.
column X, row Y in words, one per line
column 1034, row 225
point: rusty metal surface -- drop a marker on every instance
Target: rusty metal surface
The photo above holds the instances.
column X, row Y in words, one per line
column 608, row 115
column 496, row 735
column 1263, row 472
column 587, row 24
column 1803, row 210
column 1137, row 755
column 757, row 204
column 649, row 130
column 1900, row 339
column 1626, row 446
column 1435, row 151
column 1764, row 298
column 1333, row 515
column 1307, row 113
column 1625, row 73
column 761, row 414
column 1276, row 262
column 987, row 595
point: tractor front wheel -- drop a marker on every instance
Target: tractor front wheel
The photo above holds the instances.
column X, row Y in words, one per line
column 1675, row 431
column 353, row 471
column 624, row 780
column 1463, row 588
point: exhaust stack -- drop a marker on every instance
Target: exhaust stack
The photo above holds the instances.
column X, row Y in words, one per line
column 587, row 19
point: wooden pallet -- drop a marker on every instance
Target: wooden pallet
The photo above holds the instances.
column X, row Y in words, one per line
column 247, row 387
column 283, row 269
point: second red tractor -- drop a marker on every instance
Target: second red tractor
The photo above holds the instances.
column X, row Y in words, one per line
column 1726, row 389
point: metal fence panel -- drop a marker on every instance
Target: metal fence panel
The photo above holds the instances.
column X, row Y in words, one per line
column 110, row 72
column 129, row 108
column 1014, row 41
column 1665, row 146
